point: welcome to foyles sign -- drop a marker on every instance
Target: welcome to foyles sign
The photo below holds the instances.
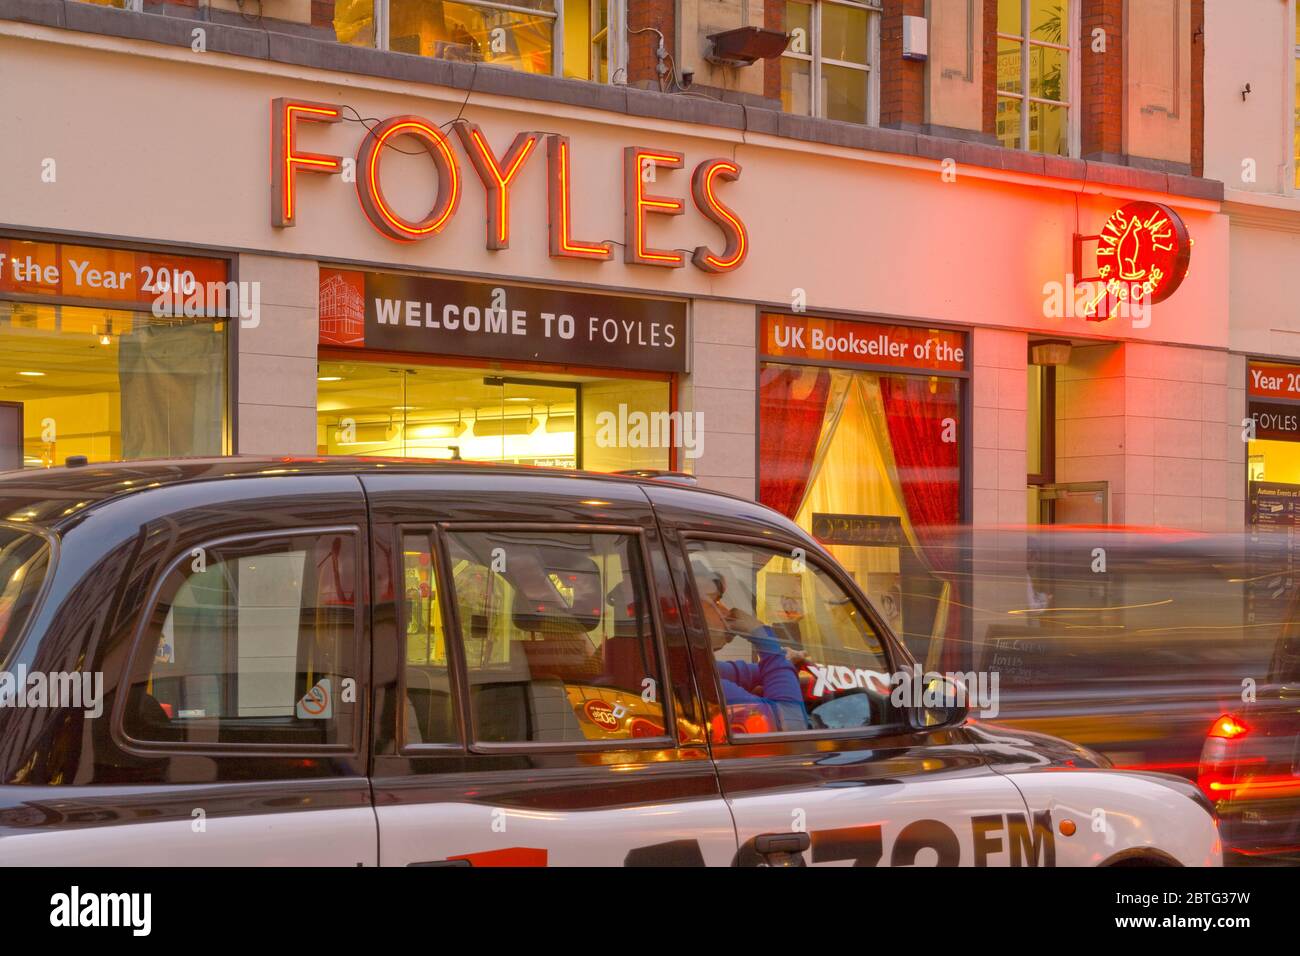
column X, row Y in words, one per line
column 401, row 313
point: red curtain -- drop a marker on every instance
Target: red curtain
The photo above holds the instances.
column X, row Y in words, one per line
column 929, row 473
column 789, row 426
column 929, row 468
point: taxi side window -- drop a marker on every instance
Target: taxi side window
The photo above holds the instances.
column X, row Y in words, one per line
column 251, row 642
column 557, row 636
column 791, row 649
column 430, row 705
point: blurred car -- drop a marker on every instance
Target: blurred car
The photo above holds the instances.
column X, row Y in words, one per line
column 1250, row 764
column 1129, row 641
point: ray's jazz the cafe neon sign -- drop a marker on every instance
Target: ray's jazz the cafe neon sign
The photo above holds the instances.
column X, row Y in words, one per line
column 498, row 174
column 1143, row 252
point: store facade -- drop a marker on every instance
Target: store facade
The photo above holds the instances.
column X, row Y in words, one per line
column 842, row 322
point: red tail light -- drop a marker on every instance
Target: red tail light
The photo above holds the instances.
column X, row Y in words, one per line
column 1229, row 727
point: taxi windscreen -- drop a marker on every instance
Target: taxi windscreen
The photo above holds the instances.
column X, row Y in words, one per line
column 24, row 559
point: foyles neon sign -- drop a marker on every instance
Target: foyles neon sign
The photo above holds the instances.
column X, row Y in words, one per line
column 498, row 174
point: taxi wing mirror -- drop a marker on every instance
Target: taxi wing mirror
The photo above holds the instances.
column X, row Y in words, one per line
column 944, row 703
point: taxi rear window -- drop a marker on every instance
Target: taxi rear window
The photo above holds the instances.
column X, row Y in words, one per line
column 24, row 560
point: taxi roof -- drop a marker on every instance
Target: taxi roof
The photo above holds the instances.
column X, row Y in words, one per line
column 46, row 497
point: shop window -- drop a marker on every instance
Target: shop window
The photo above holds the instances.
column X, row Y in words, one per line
column 252, row 642
column 827, row 68
column 870, row 464
column 557, row 636
column 1035, row 74
column 784, row 637
column 547, row 419
column 112, row 384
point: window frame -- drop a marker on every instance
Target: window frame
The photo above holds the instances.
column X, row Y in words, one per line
column 361, row 656
column 897, row 658
column 1073, row 64
column 460, row 680
column 1046, row 437
column 873, row 10
column 1293, row 179
column 616, row 28
column 457, row 667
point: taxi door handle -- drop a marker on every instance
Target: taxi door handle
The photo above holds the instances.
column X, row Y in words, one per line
column 782, row 849
column 442, row 863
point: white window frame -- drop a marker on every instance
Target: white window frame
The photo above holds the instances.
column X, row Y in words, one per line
column 1072, row 59
column 617, row 27
column 873, row 8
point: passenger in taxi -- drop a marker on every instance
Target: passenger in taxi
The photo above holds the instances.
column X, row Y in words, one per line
column 772, row 683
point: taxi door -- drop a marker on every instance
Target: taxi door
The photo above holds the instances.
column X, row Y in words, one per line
column 817, row 764
column 534, row 704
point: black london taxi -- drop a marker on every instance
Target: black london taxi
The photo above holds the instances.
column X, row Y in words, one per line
column 361, row 662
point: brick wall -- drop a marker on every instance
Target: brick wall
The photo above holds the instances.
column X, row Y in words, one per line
column 1102, row 78
column 991, row 67
column 902, row 82
column 773, row 19
column 641, row 60
column 1198, row 88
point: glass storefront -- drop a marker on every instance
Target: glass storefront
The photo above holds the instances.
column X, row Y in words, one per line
column 108, row 379
column 1273, row 444
column 555, row 419
column 112, row 385
column 427, row 366
column 869, row 462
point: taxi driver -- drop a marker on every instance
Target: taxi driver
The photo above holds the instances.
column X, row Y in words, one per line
column 772, row 682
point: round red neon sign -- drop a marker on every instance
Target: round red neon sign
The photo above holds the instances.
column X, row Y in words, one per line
column 1143, row 250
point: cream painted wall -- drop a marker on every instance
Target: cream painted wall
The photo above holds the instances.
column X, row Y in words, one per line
column 1157, row 423
column 955, row 69
column 722, row 387
column 997, row 473
column 276, row 383
column 1157, row 71
column 698, row 19
column 1249, row 41
column 1265, row 285
column 856, row 231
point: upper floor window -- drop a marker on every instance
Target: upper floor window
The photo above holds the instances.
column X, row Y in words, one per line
column 1296, row 104
column 580, row 39
column 827, row 68
column 1034, row 70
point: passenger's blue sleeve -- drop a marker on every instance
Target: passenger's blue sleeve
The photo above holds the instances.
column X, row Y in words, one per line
column 773, row 673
